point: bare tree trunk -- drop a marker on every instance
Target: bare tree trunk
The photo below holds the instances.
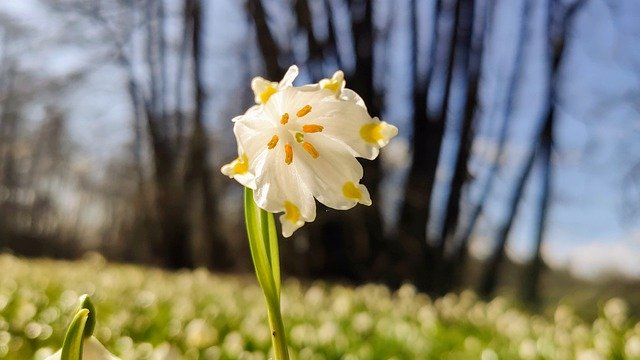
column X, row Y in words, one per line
column 427, row 141
column 464, row 235
column 314, row 61
column 266, row 43
column 415, row 207
column 198, row 182
column 470, row 67
column 531, row 283
column 489, row 278
column 362, row 82
column 461, row 174
column 530, row 289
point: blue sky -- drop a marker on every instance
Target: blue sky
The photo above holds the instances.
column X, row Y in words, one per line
column 597, row 132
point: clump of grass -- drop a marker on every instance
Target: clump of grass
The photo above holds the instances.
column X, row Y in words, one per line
column 152, row 314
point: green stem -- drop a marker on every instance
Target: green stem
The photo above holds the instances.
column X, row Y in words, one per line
column 263, row 242
column 278, row 338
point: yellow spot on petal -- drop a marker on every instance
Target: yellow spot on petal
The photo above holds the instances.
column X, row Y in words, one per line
column 288, row 154
column 351, row 191
column 312, row 128
column 266, row 94
column 304, row 111
column 291, row 212
column 333, row 85
column 273, row 142
column 240, row 165
column 284, row 119
column 310, row 149
column 371, row 133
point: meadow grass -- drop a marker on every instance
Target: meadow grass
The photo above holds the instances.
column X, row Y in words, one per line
column 147, row 313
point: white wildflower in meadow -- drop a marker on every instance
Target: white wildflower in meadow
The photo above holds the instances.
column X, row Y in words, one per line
column 301, row 143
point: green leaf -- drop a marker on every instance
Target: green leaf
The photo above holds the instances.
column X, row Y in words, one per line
column 72, row 345
column 258, row 247
column 85, row 303
column 271, row 236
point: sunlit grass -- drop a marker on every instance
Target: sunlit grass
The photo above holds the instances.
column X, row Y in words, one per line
column 152, row 314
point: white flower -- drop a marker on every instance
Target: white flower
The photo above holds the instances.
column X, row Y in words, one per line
column 301, row 143
column 92, row 349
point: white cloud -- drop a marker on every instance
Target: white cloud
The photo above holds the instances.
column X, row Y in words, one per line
column 600, row 257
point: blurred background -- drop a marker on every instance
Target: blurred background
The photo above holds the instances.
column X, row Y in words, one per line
column 517, row 164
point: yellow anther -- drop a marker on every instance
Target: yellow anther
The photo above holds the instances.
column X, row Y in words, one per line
column 291, row 212
column 284, row 119
column 312, row 128
column 288, row 154
column 310, row 149
column 241, row 164
column 304, row 111
column 273, row 142
column 266, row 94
column 351, row 191
column 371, row 133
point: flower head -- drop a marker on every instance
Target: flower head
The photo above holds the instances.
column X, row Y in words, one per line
column 301, row 143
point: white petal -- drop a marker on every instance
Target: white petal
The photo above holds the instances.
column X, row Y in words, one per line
column 253, row 131
column 263, row 89
column 292, row 99
column 352, row 96
column 327, row 174
column 347, row 122
column 289, row 76
column 94, row 350
column 277, row 184
column 335, row 84
column 238, row 169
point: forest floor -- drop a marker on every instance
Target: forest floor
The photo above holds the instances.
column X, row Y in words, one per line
column 146, row 313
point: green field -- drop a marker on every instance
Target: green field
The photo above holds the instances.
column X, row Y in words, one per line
column 152, row 314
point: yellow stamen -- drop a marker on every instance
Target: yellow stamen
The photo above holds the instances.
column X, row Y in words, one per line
column 266, row 94
column 304, row 111
column 273, row 142
column 284, row 119
column 288, row 154
column 312, row 128
column 351, row 191
column 371, row 133
column 241, row 164
column 291, row 212
column 310, row 149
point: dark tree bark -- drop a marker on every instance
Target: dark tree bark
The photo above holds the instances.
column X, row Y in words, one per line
column 489, row 278
column 415, row 207
column 469, row 63
column 266, row 42
column 362, row 82
column 530, row 289
column 531, row 281
column 464, row 235
column 428, row 132
column 198, row 181
column 305, row 25
column 461, row 174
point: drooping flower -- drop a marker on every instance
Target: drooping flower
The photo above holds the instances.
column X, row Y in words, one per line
column 301, row 143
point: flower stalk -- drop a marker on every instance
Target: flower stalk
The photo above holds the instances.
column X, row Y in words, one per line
column 263, row 242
